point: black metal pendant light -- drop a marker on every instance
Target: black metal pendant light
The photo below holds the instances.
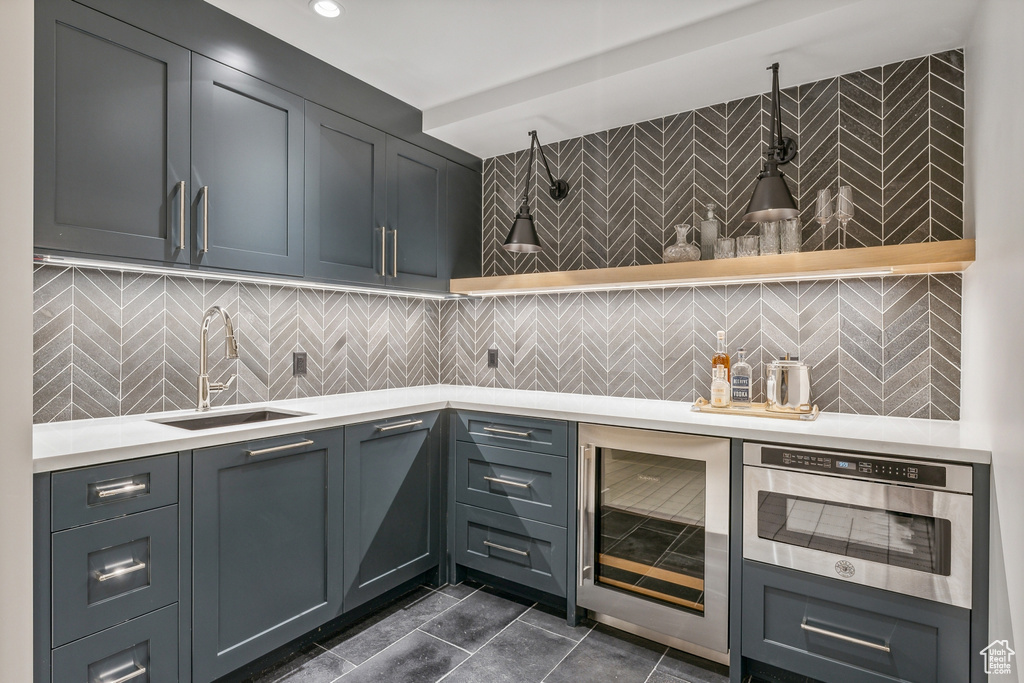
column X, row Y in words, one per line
column 772, row 200
column 523, row 235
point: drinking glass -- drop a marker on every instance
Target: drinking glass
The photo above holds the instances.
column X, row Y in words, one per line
column 770, row 237
column 792, row 236
column 725, row 247
column 844, row 211
column 747, row 245
column 823, row 212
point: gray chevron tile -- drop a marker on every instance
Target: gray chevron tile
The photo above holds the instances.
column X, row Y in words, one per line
column 945, row 296
column 430, row 333
column 745, row 136
column 545, row 210
column 52, row 350
column 906, row 353
column 819, row 340
column 649, row 344
column 861, row 346
column 596, row 332
column 709, row 316
column 96, row 343
column 183, row 299
column 525, row 340
column 570, row 343
column 284, row 325
column 678, row 331
column 780, row 327
column 378, row 325
column 142, row 343
column 679, row 174
column 309, row 339
column 594, row 189
column 621, row 344
column 570, row 209
column 399, row 349
column 622, row 220
column 649, row 191
column 356, row 338
column 503, row 337
column 546, row 345
column 448, row 341
column 335, row 342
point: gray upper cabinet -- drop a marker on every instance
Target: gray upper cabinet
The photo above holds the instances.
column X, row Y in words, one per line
column 392, row 508
column 112, row 137
column 267, row 546
column 246, row 171
column 346, row 198
column 417, row 217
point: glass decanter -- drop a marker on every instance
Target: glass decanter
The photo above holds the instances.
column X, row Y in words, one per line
column 682, row 250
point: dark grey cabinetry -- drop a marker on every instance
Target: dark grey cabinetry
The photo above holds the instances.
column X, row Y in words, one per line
column 246, row 171
column 346, row 198
column 417, row 217
column 267, row 546
column 392, row 504
column 112, row 137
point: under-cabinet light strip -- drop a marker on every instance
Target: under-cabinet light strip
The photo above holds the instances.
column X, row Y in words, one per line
column 233, row 277
column 683, row 283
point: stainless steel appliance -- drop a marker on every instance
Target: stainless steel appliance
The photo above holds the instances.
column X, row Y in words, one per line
column 654, row 535
column 892, row 523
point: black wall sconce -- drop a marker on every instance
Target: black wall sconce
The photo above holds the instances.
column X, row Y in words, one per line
column 523, row 235
column 772, row 200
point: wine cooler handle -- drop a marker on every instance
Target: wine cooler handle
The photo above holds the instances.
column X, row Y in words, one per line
column 583, row 500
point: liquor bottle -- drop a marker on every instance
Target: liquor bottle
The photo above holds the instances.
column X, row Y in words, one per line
column 709, row 229
column 721, row 356
column 741, row 380
column 719, row 388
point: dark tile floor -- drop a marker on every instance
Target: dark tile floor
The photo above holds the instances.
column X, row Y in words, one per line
column 476, row 634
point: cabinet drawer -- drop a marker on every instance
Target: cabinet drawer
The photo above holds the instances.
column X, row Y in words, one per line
column 530, row 485
column 142, row 650
column 829, row 630
column 93, row 494
column 112, row 571
column 530, row 553
column 523, row 433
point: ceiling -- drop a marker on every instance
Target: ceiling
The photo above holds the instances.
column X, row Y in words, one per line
column 485, row 72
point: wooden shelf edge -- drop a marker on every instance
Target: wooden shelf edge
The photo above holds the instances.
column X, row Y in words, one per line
column 952, row 256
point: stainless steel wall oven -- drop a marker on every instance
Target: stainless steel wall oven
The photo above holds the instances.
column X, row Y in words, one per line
column 654, row 535
column 892, row 523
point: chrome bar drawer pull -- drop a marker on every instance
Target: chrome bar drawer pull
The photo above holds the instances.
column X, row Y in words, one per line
column 510, row 432
column 277, row 449
column 839, row 636
column 388, row 428
column 205, row 213
column 383, row 251
column 514, row 551
column 180, row 186
column 135, row 674
column 120, row 490
column 506, row 482
column 394, row 253
column 120, row 571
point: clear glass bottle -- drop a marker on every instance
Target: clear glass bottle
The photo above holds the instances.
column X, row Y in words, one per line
column 721, row 356
column 719, row 388
column 709, row 228
column 741, row 372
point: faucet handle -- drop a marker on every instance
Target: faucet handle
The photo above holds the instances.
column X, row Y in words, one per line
column 223, row 386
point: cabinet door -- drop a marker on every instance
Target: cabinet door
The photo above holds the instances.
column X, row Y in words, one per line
column 417, row 217
column 266, row 546
column 392, row 506
column 112, row 136
column 246, row 171
column 346, row 198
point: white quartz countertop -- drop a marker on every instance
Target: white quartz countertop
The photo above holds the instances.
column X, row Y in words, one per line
column 63, row 445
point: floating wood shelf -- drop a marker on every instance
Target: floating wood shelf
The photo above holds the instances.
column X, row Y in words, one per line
column 899, row 259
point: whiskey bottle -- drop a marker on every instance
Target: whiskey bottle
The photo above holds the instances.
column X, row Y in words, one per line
column 719, row 388
column 721, row 357
column 741, row 380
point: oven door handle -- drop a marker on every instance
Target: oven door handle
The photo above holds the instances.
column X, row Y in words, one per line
column 585, row 485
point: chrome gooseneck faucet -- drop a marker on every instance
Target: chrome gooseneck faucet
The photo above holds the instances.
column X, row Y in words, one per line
column 230, row 352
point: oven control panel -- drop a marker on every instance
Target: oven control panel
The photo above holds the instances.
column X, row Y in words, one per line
column 855, row 465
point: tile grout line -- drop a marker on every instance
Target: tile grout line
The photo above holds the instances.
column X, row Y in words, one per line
column 541, row 628
column 571, row 650
column 656, row 665
column 479, row 649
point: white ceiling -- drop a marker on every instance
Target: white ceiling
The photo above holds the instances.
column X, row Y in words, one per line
column 485, row 72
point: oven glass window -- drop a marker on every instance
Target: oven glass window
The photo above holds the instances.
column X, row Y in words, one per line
column 893, row 538
column 649, row 539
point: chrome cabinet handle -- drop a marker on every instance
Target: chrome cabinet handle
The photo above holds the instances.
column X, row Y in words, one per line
column 120, row 571
column 846, row 639
column 277, row 449
column 583, row 532
column 135, row 674
column 383, row 251
column 180, row 185
column 388, row 428
column 394, row 253
column 506, row 482
column 205, row 192
column 107, row 492
column 510, row 432
column 514, row 551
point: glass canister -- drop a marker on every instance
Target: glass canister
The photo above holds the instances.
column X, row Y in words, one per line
column 747, row 245
column 682, row 250
column 709, row 229
column 770, row 237
column 725, row 247
column 792, row 236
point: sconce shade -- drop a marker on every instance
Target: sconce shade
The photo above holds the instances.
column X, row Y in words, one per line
column 523, row 235
column 771, row 200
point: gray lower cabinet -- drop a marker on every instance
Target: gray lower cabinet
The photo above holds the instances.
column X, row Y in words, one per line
column 834, row 631
column 247, row 168
column 392, row 504
column 267, row 546
column 112, row 137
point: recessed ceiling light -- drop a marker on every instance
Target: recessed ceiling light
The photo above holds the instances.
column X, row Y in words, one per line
column 327, row 8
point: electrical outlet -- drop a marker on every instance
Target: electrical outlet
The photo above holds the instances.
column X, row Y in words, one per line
column 298, row 364
column 492, row 358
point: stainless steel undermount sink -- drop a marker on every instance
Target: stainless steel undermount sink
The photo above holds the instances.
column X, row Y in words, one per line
column 212, row 420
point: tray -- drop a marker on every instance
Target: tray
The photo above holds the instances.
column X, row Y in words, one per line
column 701, row 405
